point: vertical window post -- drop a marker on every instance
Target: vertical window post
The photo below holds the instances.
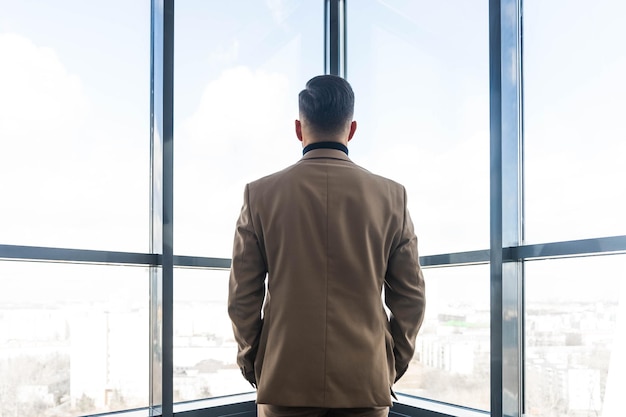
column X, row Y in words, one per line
column 506, row 207
column 161, row 207
column 335, row 37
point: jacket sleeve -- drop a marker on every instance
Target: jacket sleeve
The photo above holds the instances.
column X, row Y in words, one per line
column 246, row 291
column 405, row 295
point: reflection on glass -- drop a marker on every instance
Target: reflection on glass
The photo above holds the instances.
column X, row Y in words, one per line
column 451, row 362
column 73, row 339
column 575, row 336
column 239, row 68
column 156, row 339
column 74, row 130
column 420, row 76
column 574, row 131
column 205, row 351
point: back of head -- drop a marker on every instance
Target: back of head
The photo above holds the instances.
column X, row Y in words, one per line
column 327, row 103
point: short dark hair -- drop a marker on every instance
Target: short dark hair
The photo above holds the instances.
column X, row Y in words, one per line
column 327, row 103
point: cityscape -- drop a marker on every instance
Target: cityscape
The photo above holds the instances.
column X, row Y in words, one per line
column 86, row 358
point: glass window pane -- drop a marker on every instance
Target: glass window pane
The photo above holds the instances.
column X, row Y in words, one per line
column 73, row 339
column 574, row 106
column 74, row 123
column 420, row 75
column 575, row 336
column 451, row 362
column 205, row 351
column 239, row 68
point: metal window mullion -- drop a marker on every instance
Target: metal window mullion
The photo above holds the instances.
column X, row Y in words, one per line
column 601, row 246
column 335, row 37
column 495, row 209
column 512, row 212
column 161, row 208
column 506, row 208
column 344, row 39
column 168, row 209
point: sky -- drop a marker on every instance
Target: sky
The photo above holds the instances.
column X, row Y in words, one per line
column 74, row 125
column 76, row 109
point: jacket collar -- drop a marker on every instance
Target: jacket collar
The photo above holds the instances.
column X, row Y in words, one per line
column 325, row 150
column 325, row 145
column 325, row 153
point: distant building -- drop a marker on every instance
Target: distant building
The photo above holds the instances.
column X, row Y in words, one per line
column 109, row 358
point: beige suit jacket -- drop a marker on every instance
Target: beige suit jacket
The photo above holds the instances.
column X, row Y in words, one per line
column 329, row 236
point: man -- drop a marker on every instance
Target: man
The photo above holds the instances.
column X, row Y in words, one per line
column 330, row 236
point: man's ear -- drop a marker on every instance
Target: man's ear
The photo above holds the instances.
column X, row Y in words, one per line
column 352, row 130
column 299, row 130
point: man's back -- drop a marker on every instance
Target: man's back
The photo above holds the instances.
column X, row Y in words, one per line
column 327, row 232
column 329, row 236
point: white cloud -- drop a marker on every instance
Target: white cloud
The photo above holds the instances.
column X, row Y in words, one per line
column 65, row 179
column 237, row 107
column 242, row 129
column 278, row 9
column 225, row 54
column 41, row 106
column 39, row 96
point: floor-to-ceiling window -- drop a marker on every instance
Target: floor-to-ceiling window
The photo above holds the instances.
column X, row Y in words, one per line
column 239, row 67
column 74, row 173
column 422, row 104
column 575, row 148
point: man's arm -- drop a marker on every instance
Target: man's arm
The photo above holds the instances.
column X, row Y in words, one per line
column 404, row 295
column 246, row 291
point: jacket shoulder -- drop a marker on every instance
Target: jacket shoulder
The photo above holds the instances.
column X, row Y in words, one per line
column 270, row 179
column 388, row 183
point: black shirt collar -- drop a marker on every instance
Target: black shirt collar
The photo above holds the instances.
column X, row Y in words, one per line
column 325, row 145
